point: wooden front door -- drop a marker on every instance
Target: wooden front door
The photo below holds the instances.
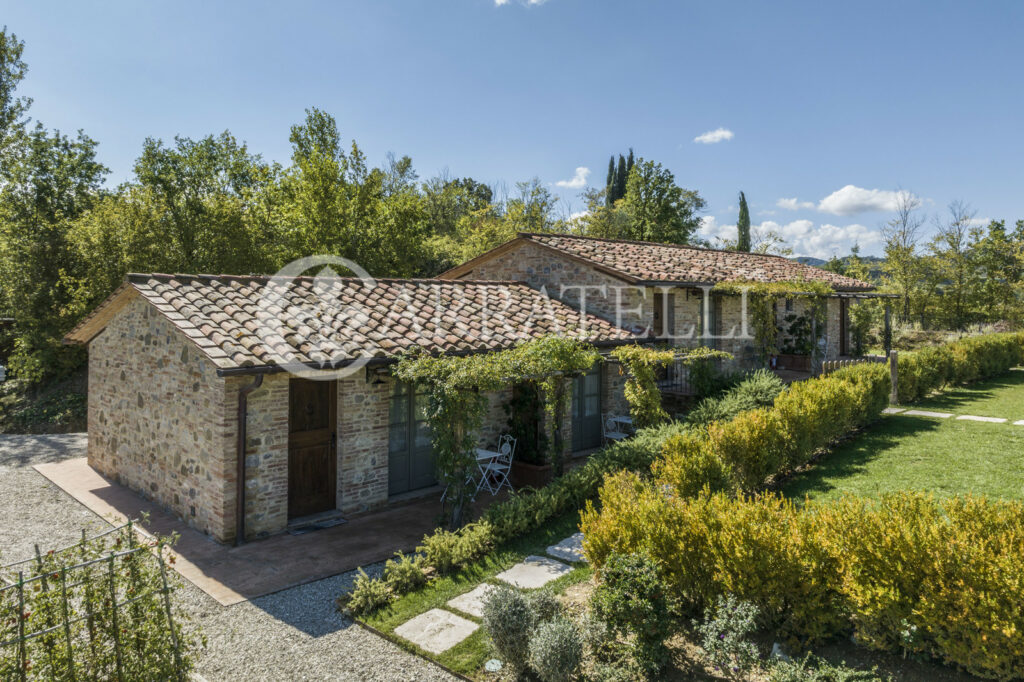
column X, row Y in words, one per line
column 410, row 442
column 586, row 410
column 312, row 441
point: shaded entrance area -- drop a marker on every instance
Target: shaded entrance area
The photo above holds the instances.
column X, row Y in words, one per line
column 235, row 574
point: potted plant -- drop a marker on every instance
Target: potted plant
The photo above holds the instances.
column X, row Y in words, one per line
column 799, row 343
column 531, row 465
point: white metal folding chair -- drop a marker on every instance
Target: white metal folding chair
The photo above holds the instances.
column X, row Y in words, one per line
column 612, row 428
column 496, row 473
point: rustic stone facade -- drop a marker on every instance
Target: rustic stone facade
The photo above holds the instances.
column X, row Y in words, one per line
column 158, row 421
column 266, row 453
column 363, row 406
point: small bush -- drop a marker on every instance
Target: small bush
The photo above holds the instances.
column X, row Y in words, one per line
column 725, row 637
column 404, row 573
column 556, row 650
column 690, row 466
column 509, row 622
column 544, row 605
column 631, row 598
column 367, row 595
column 814, row 669
column 759, row 389
column 448, row 551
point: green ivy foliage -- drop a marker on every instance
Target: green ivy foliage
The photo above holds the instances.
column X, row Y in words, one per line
column 761, row 312
column 641, row 364
column 458, row 404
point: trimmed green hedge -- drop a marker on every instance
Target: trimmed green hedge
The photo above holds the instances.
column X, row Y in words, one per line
column 959, row 362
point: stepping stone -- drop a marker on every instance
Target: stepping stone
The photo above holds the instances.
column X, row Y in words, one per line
column 569, row 549
column 893, row 410
column 926, row 413
column 1020, row 423
column 972, row 418
column 472, row 602
column 533, row 572
column 436, row 630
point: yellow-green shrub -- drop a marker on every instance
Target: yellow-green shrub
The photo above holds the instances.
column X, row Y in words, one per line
column 710, row 545
column 949, row 570
column 752, row 446
column 689, row 465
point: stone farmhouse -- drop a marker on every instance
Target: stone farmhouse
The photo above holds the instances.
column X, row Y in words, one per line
column 245, row 403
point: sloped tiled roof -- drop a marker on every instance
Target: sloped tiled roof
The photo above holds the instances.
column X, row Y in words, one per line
column 242, row 322
column 636, row 261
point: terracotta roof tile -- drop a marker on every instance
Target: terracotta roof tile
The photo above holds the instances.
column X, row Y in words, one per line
column 649, row 261
column 256, row 321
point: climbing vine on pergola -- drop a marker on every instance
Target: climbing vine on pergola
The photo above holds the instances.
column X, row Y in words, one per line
column 456, row 387
column 760, row 309
column 641, row 364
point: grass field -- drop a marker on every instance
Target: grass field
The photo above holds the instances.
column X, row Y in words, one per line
column 944, row 456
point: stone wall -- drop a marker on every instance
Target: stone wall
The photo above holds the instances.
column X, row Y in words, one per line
column 266, row 453
column 158, row 419
column 363, row 408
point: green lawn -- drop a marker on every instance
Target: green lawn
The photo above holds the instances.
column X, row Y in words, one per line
column 1000, row 397
column 468, row 656
column 944, row 456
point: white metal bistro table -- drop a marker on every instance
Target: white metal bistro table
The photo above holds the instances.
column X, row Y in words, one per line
column 625, row 421
column 483, row 461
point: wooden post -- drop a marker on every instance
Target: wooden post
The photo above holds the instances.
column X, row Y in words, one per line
column 112, row 576
column 22, row 649
column 887, row 331
column 167, row 609
column 67, row 622
column 894, row 396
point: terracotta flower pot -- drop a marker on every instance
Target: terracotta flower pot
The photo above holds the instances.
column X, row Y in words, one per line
column 533, row 475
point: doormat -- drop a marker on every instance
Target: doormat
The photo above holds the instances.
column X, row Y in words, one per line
column 316, row 526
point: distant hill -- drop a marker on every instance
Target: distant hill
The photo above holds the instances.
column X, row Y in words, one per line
column 810, row 260
column 874, row 264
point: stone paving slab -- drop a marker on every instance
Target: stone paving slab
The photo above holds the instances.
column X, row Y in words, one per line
column 972, row 418
column 569, row 549
column 1019, row 423
column 893, row 410
column 436, row 630
column 533, row 572
column 927, row 413
column 472, row 602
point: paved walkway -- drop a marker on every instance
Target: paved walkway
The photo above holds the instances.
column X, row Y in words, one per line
column 235, row 574
column 438, row 630
column 946, row 415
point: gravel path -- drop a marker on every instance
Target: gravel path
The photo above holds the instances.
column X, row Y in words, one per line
column 296, row 634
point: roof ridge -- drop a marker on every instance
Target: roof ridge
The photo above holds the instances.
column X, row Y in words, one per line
column 647, row 243
column 136, row 276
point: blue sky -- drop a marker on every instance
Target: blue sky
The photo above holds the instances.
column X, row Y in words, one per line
column 832, row 106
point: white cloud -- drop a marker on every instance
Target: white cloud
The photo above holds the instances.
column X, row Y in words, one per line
column 499, row 3
column 576, row 215
column 852, row 199
column 713, row 136
column 578, row 181
column 803, row 236
column 793, row 204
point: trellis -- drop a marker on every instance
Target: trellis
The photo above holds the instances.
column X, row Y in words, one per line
column 97, row 610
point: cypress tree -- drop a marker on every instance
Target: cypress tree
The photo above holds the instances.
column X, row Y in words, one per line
column 620, row 178
column 629, row 162
column 743, row 226
column 608, row 198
